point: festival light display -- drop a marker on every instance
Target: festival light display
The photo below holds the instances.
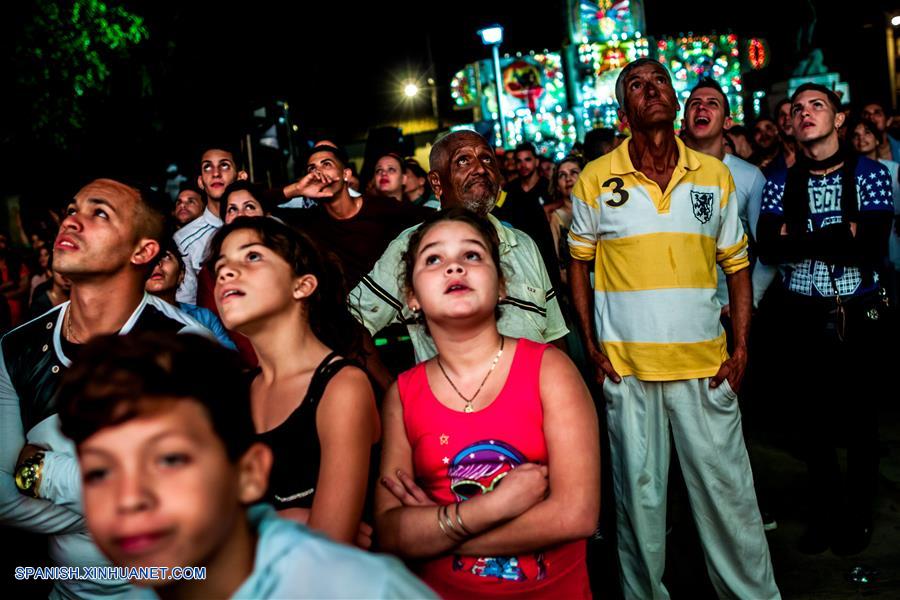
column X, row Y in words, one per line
column 608, row 20
column 757, row 53
column 607, row 35
column 692, row 58
column 601, row 63
column 534, row 101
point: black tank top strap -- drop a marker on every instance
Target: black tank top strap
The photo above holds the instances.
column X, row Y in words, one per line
column 327, row 369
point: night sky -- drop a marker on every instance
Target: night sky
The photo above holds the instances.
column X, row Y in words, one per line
column 340, row 64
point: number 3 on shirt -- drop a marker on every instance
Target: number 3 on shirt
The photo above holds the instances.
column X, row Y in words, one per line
column 619, row 192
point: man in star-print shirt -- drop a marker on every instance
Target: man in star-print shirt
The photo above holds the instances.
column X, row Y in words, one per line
column 828, row 234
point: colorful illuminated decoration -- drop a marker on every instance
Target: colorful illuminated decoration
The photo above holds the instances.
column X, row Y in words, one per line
column 606, row 36
column 605, row 20
column 522, row 80
column 534, row 99
column 601, row 64
column 693, row 58
column 757, row 53
column 464, row 87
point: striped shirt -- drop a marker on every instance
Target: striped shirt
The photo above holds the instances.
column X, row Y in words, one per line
column 655, row 256
column 192, row 241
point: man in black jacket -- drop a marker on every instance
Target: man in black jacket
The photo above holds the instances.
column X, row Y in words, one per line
column 825, row 222
column 108, row 243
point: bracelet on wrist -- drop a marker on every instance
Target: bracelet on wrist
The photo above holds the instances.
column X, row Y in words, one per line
column 459, row 520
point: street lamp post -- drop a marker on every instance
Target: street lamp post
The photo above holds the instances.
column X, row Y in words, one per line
column 411, row 90
column 892, row 57
column 493, row 36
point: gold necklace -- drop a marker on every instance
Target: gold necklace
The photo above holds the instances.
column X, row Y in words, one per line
column 469, row 401
column 69, row 335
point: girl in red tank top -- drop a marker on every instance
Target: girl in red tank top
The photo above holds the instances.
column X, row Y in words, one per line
column 490, row 465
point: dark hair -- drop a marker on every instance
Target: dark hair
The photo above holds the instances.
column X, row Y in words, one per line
column 225, row 146
column 738, row 130
column 242, row 185
column 885, row 108
column 598, row 142
column 460, row 215
column 575, row 158
column 712, row 84
column 867, row 123
column 116, row 378
column 833, row 98
column 326, row 309
column 411, row 164
column 188, row 186
column 726, row 139
column 336, row 152
column 526, row 147
column 172, row 247
column 153, row 213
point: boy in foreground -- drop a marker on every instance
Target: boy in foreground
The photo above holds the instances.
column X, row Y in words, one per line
column 171, row 467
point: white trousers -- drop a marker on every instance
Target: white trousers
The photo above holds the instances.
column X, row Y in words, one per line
column 706, row 426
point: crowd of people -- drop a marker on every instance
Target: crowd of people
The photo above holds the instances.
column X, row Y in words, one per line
column 197, row 383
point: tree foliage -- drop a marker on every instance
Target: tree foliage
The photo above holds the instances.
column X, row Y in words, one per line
column 64, row 55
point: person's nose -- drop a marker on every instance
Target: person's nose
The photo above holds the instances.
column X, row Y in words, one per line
column 455, row 268
column 226, row 273
column 71, row 222
column 134, row 492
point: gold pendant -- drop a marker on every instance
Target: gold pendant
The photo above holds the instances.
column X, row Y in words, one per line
column 468, row 408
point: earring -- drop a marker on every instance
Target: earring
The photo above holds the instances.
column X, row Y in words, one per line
column 415, row 309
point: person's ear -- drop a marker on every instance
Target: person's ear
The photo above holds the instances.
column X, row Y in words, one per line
column 435, row 180
column 728, row 123
column 200, row 183
column 181, row 277
column 347, row 174
column 683, row 124
column 304, row 286
column 242, row 175
column 412, row 302
column 145, row 251
column 622, row 117
column 253, row 473
column 403, row 179
column 839, row 119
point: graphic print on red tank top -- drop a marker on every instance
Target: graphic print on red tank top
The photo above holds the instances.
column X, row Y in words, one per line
column 460, row 455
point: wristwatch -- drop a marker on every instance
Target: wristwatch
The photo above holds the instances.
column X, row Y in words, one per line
column 28, row 474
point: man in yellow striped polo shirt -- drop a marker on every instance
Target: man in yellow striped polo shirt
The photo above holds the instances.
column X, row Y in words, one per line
column 654, row 218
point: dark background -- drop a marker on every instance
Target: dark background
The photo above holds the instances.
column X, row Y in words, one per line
column 340, row 65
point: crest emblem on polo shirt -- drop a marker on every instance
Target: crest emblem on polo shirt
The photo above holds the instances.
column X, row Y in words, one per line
column 702, row 202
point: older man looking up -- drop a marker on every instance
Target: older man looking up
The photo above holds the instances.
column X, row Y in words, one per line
column 653, row 218
column 464, row 172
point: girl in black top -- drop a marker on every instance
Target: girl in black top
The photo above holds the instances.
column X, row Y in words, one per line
column 315, row 408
